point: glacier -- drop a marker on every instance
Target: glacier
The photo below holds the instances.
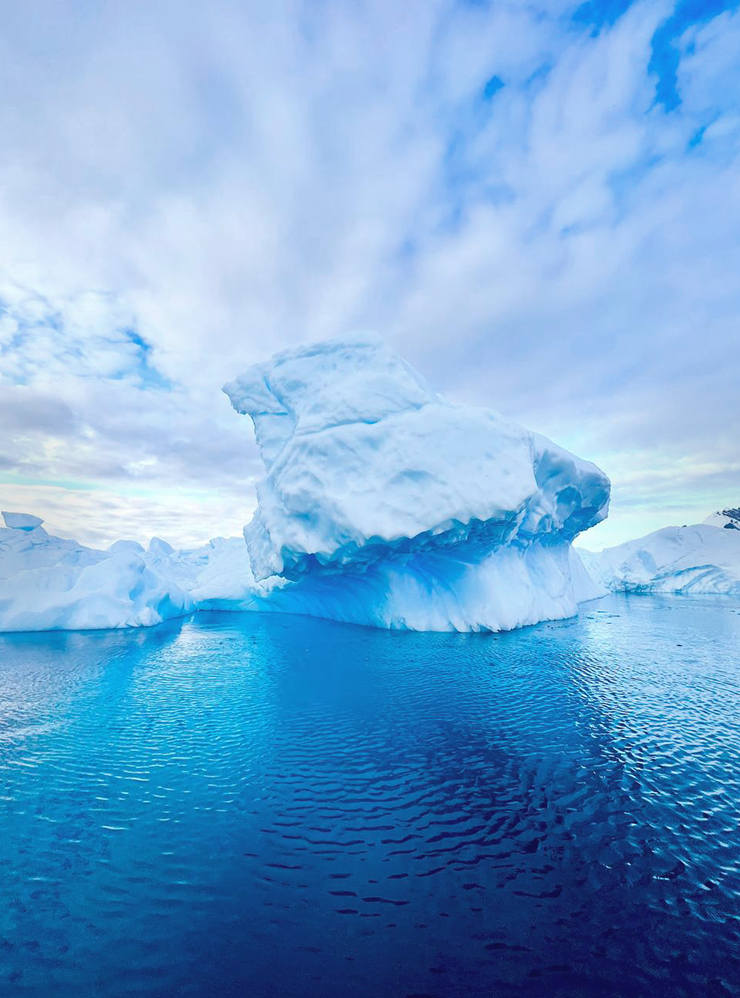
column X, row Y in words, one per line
column 701, row 558
column 384, row 504
column 381, row 504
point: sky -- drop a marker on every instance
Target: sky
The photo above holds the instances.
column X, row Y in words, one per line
column 537, row 203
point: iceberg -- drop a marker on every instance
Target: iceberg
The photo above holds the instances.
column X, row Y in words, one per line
column 218, row 575
column 381, row 504
column 703, row 558
column 384, row 504
column 50, row 583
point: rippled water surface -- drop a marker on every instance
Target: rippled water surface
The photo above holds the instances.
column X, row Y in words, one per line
column 279, row 806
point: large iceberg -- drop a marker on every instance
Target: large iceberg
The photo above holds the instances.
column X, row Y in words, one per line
column 384, row 504
column 703, row 558
column 381, row 504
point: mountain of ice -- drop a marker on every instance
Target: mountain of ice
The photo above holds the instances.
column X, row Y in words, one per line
column 384, row 504
column 703, row 558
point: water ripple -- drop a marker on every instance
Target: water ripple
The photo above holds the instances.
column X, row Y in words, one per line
column 247, row 805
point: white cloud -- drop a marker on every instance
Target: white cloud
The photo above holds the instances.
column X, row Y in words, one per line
column 98, row 517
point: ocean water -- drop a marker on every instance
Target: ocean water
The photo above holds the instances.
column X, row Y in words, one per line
column 280, row 806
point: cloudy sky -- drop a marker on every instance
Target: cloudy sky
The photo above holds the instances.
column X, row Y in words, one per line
column 537, row 202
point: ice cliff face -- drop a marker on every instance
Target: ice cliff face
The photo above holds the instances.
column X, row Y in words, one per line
column 703, row 558
column 384, row 504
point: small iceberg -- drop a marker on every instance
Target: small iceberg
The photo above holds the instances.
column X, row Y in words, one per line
column 50, row 583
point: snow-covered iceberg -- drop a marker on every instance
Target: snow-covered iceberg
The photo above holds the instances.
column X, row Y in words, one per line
column 381, row 504
column 50, row 583
column 384, row 504
column 704, row 558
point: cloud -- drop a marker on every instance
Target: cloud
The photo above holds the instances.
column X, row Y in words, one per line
column 184, row 190
column 99, row 516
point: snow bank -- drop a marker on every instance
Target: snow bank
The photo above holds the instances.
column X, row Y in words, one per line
column 48, row 583
column 384, row 504
column 696, row 559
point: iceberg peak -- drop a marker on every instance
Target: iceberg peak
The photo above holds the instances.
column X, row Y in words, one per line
column 314, row 388
column 21, row 521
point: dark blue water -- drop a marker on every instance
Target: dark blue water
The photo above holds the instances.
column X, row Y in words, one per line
column 279, row 806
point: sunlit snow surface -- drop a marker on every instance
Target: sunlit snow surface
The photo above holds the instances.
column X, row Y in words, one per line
column 248, row 804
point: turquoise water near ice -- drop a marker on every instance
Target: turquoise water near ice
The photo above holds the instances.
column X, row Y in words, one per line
column 243, row 804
